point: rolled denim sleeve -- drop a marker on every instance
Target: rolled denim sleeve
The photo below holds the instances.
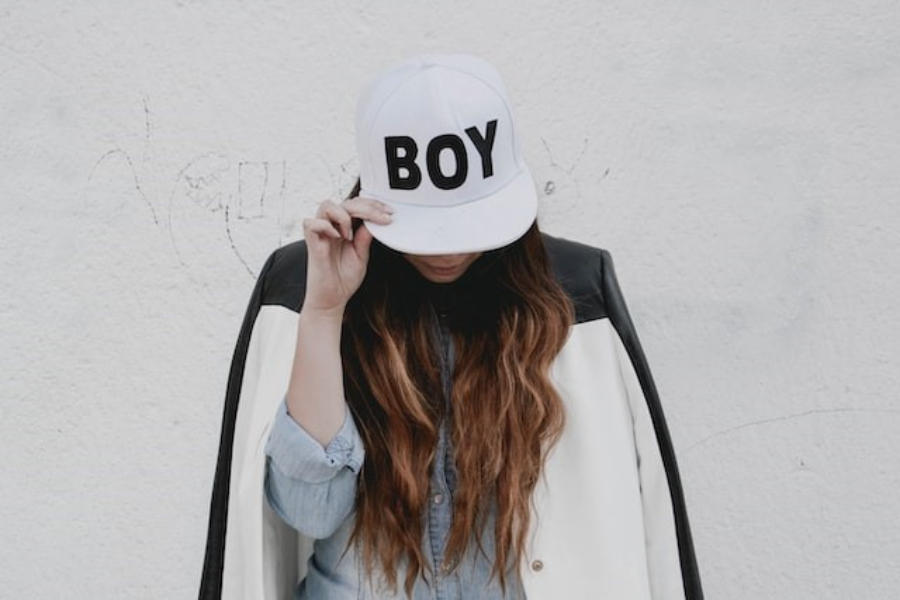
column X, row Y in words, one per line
column 312, row 488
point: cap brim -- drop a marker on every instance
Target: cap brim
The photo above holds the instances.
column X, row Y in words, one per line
column 485, row 224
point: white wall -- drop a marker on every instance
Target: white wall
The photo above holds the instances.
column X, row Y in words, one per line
column 739, row 158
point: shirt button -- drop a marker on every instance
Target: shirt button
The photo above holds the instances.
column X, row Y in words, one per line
column 438, row 498
column 537, row 565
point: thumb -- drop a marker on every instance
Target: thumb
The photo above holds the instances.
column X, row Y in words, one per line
column 362, row 242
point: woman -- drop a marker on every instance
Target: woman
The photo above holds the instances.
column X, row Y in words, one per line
column 468, row 413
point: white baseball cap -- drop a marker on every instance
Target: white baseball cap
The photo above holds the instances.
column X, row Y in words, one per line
column 437, row 142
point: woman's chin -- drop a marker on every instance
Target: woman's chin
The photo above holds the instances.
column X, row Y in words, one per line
column 439, row 270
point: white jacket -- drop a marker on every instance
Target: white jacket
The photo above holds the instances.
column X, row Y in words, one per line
column 609, row 520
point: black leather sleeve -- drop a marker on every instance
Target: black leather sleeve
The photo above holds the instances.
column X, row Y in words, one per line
column 282, row 281
column 211, row 580
column 618, row 314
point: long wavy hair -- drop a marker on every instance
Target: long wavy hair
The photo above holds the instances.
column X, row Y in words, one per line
column 508, row 318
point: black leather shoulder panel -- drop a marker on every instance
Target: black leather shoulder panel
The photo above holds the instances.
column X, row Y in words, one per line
column 577, row 267
column 579, row 270
column 285, row 282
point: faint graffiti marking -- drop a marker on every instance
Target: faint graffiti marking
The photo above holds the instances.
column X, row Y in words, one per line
column 563, row 182
column 137, row 182
column 234, row 247
column 343, row 180
column 793, row 417
column 203, row 181
column 281, row 192
column 575, row 162
column 147, row 128
column 201, row 177
column 244, row 194
column 252, row 190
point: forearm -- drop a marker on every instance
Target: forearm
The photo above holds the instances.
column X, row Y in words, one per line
column 315, row 397
column 311, row 487
column 336, row 266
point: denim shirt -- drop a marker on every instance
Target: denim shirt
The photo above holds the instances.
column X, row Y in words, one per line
column 313, row 489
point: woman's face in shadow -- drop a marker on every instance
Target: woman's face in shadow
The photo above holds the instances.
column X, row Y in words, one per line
column 442, row 268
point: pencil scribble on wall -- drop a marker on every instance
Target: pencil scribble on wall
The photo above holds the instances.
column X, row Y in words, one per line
column 560, row 176
column 118, row 153
column 217, row 201
column 212, row 201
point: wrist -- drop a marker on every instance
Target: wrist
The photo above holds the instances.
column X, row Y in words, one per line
column 331, row 314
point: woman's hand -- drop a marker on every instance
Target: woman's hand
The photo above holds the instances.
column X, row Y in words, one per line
column 338, row 255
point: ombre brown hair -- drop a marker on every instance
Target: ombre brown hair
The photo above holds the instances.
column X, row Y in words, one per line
column 508, row 318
